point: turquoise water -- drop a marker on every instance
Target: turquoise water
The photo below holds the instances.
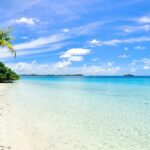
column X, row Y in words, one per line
column 86, row 113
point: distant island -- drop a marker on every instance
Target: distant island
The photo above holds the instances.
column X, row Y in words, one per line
column 128, row 75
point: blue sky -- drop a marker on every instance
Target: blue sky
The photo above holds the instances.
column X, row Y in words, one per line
column 98, row 37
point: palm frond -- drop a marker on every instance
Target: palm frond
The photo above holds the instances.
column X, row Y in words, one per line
column 5, row 40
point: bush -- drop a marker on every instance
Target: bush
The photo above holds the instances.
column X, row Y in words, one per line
column 6, row 74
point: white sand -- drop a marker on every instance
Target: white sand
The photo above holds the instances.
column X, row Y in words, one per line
column 12, row 130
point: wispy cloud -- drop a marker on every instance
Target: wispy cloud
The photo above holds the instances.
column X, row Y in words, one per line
column 87, row 28
column 135, row 24
column 137, row 28
column 115, row 42
column 39, row 42
column 39, row 45
column 48, row 43
column 25, row 20
column 144, row 19
column 66, row 30
column 139, row 47
column 124, row 56
column 143, row 63
column 126, row 48
column 53, row 47
column 42, row 41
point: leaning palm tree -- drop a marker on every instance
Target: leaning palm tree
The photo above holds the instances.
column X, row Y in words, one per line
column 5, row 40
column 6, row 74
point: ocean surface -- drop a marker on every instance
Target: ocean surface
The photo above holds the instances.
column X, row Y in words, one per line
column 85, row 113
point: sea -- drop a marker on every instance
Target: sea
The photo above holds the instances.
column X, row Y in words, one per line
column 85, row 112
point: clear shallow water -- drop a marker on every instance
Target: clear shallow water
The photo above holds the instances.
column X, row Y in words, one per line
column 86, row 113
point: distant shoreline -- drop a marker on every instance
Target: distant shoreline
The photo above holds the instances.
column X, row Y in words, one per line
column 52, row 75
column 81, row 75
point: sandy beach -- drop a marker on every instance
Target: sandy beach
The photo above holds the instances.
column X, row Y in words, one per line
column 12, row 132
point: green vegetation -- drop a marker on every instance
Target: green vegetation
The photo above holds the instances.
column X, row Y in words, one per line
column 6, row 74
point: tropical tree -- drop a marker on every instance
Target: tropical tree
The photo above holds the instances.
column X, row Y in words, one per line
column 6, row 74
column 5, row 40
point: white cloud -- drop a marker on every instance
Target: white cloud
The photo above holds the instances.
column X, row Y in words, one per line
column 130, row 29
column 25, row 20
column 115, row 42
column 111, row 42
column 144, row 19
column 72, row 55
column 143, row 63
column 62, row 64
column 66, row 30
column 146, row 67
column 110, row 64
column 76, row 58
column 44, row 69
column 75, row 52
column 127, row 30
column 139, row 47
column 126, row 48
column 97, row 70
column 146, row 64
column 24, row 37
column 30, row 68
column 124, row 56
column 94, row 41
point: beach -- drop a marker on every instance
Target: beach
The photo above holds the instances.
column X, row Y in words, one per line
column 75, row 113
column 13, row 135
column 75, row 75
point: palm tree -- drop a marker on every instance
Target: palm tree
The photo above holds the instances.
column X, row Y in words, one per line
column 5, row 40
column 6, row 74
